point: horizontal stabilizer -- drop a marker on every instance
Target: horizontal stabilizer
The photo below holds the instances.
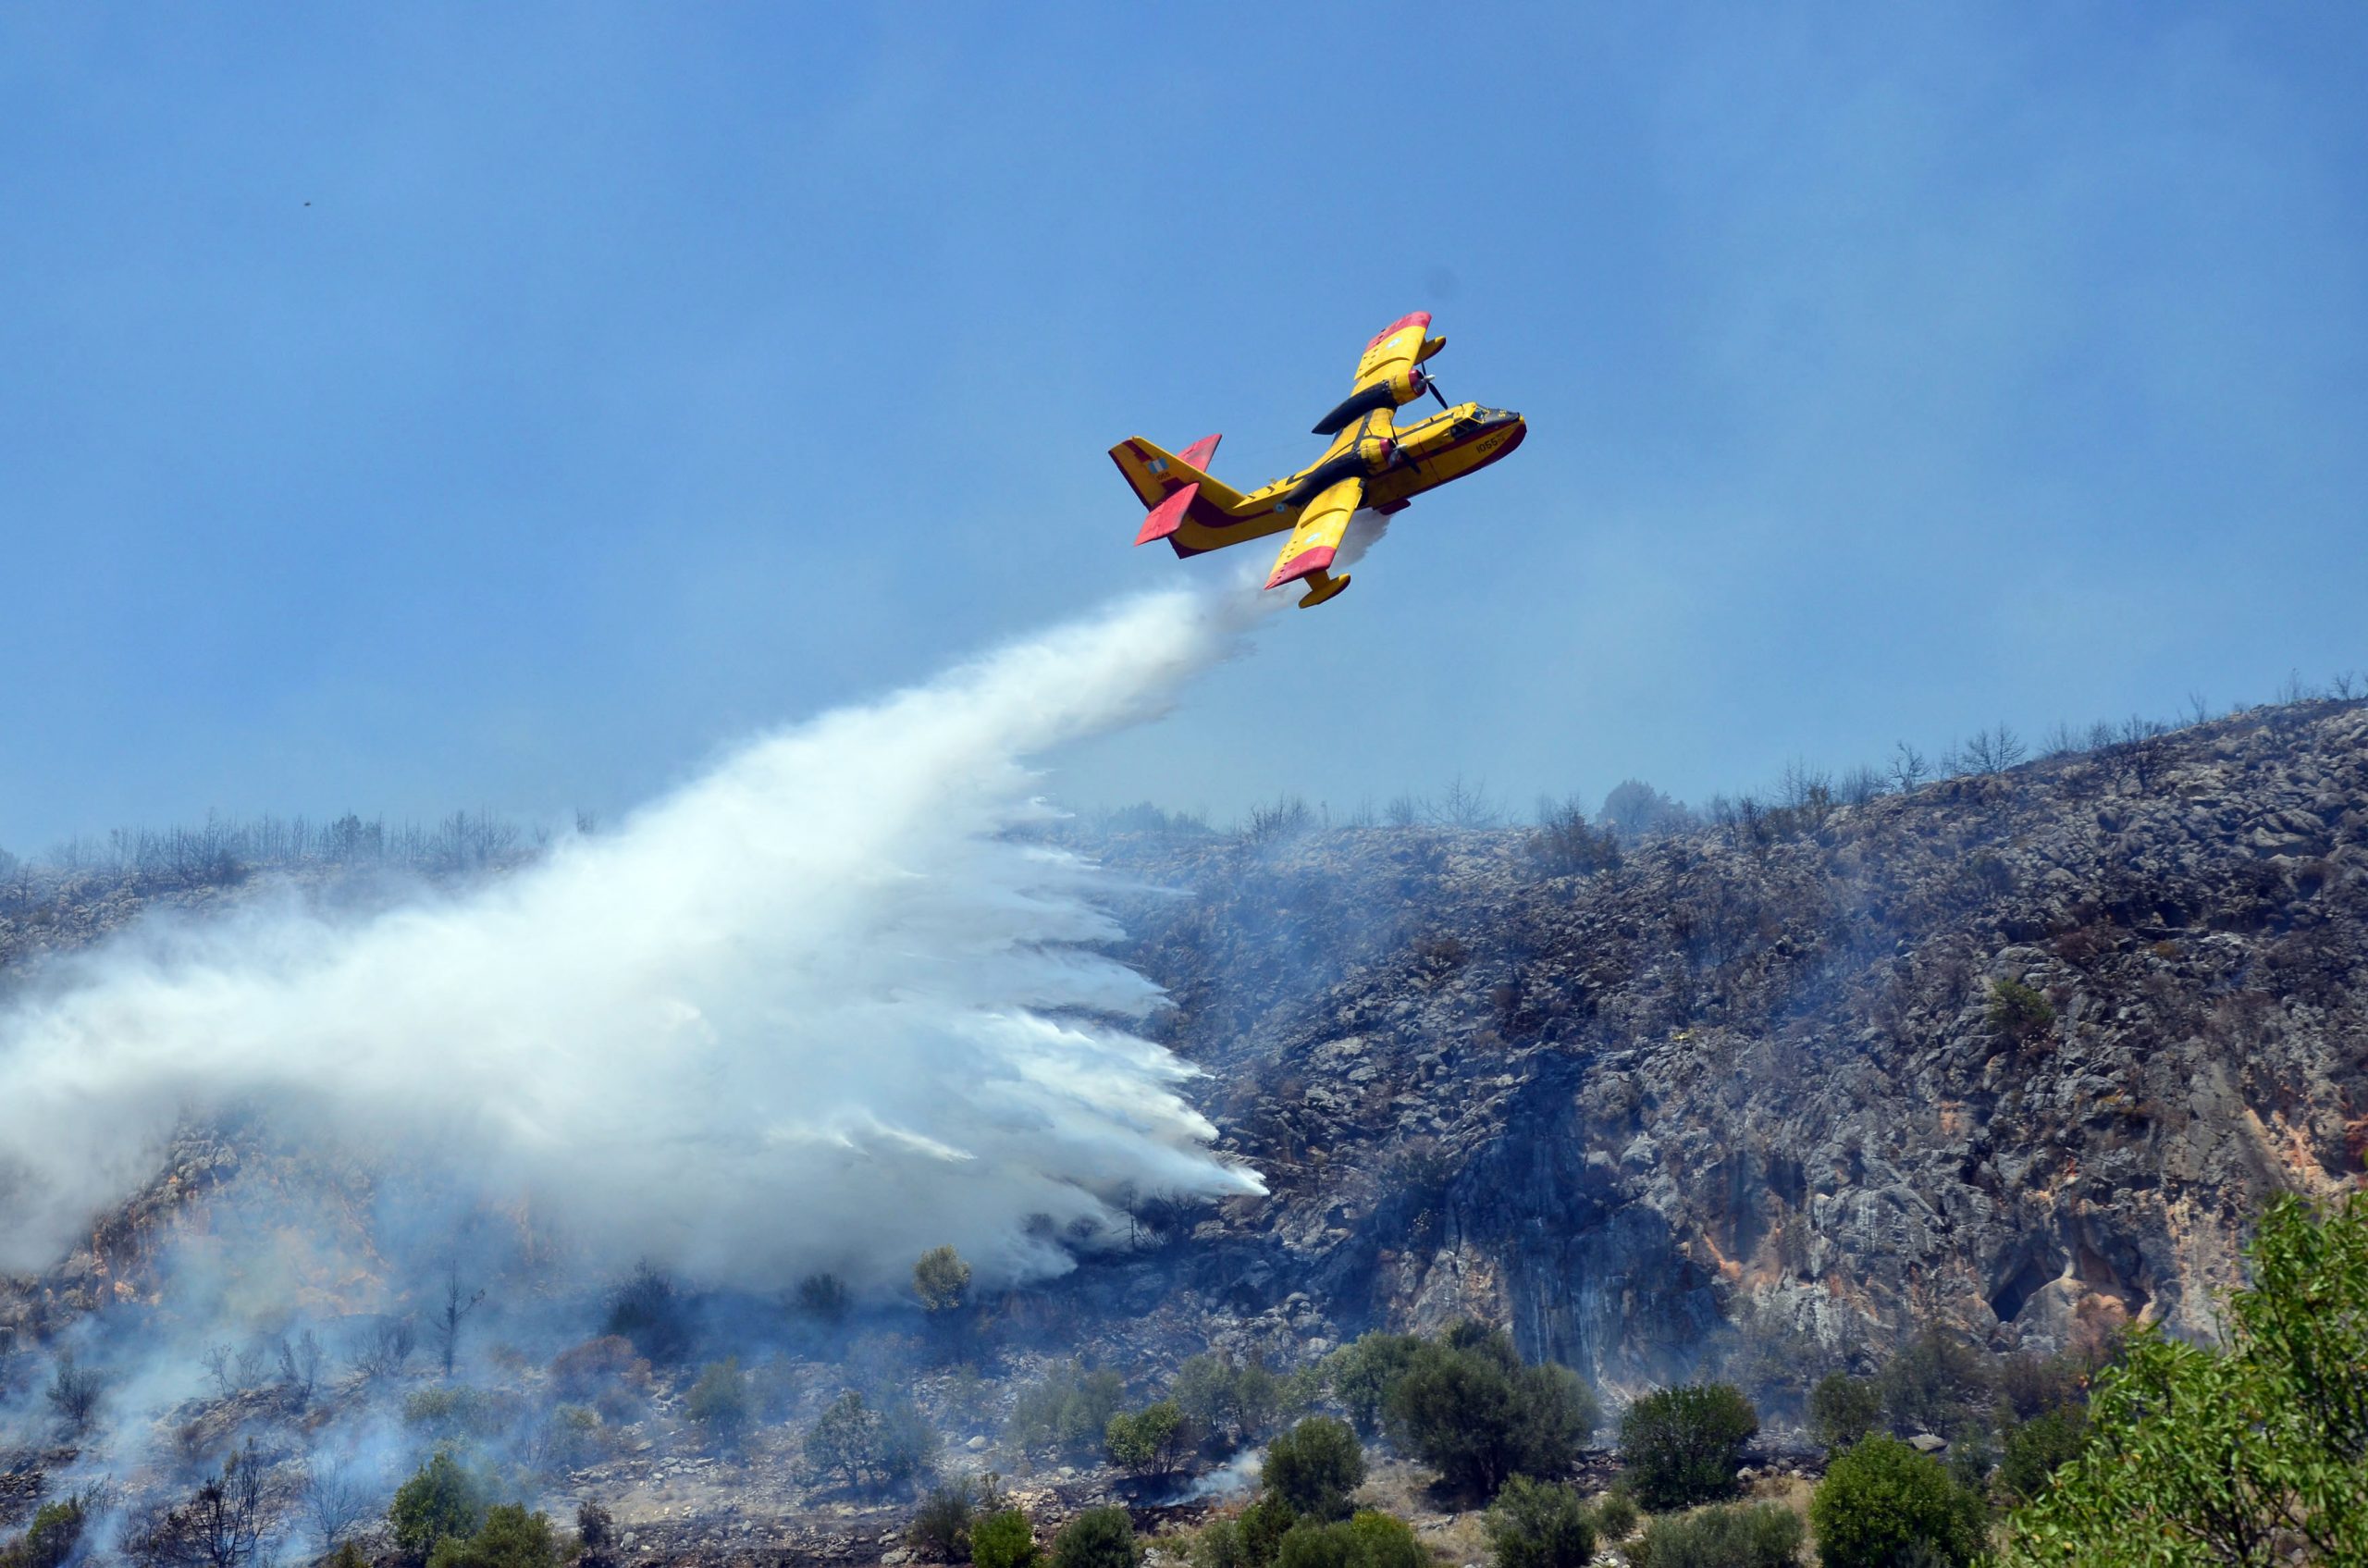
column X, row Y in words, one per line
column 1169, row 515
column 1197, row 455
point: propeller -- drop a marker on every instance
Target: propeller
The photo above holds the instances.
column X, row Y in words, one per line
column 1430, row 385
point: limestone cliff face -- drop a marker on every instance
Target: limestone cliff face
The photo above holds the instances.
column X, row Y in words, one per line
column 1778, row 1074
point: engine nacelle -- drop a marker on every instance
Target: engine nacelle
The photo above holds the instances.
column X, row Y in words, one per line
column 1394, row 391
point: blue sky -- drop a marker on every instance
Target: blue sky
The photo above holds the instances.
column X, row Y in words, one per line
column 637, row 376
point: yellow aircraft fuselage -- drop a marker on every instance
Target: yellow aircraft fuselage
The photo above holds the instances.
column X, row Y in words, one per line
column 1424, row 455
column 1373, row 463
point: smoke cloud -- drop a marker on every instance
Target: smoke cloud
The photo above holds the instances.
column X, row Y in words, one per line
column 822, row 1008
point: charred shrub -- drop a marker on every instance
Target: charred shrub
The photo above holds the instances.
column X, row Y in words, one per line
column 582, row 1373
column 945, row 1523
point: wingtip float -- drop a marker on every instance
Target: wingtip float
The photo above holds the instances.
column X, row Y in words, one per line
column 1372, row 462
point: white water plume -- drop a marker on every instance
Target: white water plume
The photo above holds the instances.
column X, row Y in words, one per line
column 819, row 1008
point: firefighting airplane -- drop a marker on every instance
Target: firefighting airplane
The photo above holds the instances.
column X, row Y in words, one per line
column 1372, row 461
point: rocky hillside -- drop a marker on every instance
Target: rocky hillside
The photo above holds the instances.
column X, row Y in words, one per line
column 2019, row 1053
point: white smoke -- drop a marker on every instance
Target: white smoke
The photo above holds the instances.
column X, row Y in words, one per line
column 819, row 1008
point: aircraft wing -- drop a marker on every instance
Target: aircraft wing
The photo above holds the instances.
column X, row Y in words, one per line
column 1394, row 349
column 1387, row 376
column 1317, row 538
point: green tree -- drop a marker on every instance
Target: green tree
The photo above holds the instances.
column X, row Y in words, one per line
column 1371, row 1540
column 941, row 1280
column 718, row 1403
column 1467, row 1407
column 511, row 1538
column 1881, row 1501
column 1003, row 1540
column 1152, row 1441
column 1314, row 1467
column 56, row 1530
column 1682, row 1445
column 2033, row 1451
column 1224, row 1396
column 1745, row 1534
column 1540, row 1525
column 1361, row 1373
column 1068, row 1408
column 2227, row 1454
column 908, row 1444
column 443, row 1498
column 1844, row 1409
column 1263, row 1527
column 843, row 1442
column 1099, row 1537
column 1385, row 1541
column 1934, row 1384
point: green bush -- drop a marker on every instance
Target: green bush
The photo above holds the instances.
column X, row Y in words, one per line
column 1263, row 1526
column 941, row 1279
column 511, row 1538
column 1467, row 1407
column 442, row 1500
column 1881, row 1501
column 1743, row 1534
column 867, row 1448
column 1069, row 1409
column 1682, row 1445
column 572, row 1438
column 2206, row 1454
column 1385, row 1541
column 1153, row 1441
column 1935, row 1384
column 1361, row 1373
column 1844, row 1409
column 1615, row 1516
column 2033, row 1451
column 2016, row 1009
column 1538, row 1524
column 1371, row 1540
column 1314, row 1467
column 56, row 1530
column 720, row 1403
column 1003, row 1540
column 1099, row 1537
column 1310, row 1544
column 1222, row 1395
column 1217, row 1544
column 448, row 1413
